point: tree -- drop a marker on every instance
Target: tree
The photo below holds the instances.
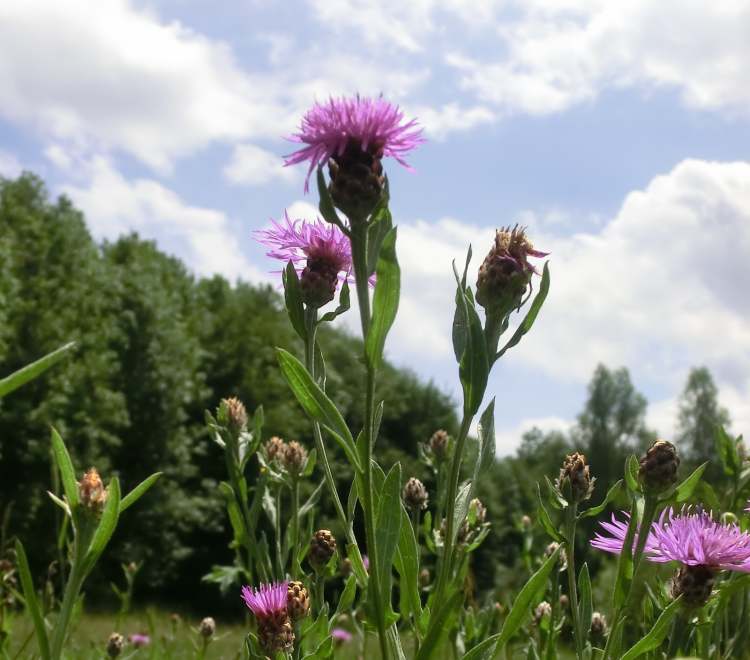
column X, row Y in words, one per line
column 698, row 417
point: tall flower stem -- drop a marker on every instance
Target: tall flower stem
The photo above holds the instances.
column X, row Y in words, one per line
column 311, row 319
column 446, row 559
column 294, row 568
column 359, row 258
column 570, row 534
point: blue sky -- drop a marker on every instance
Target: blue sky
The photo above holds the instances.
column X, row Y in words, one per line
column 617, row 132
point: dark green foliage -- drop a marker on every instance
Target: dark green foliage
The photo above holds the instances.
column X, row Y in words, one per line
column 155, row 348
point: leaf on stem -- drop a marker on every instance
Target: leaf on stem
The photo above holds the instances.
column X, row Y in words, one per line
column 657, row 633
column 32, row 604
column 31, row 371
column 596, row 510
column 385, row 300
column 67, row 472
column 139, row 491
column 293, row 300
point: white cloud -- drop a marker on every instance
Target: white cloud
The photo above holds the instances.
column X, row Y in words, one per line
column 202, row 237
column 10, row 166
column 255, row 166
column 659, row 288
column 450, row 118
column 507, row 439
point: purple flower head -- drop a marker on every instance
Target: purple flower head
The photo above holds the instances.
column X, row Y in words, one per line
column 139, row 639
column 268, row 601
column 692, row 538
column 376, row 125
column 341, row 635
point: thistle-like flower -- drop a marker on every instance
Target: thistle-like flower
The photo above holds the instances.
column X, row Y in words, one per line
column 439, row 444
column 275, row 448
column 207, row 627
column 320, row 252
column 322, row 548
column 692, row 538
column 298, row 601
column 352, row 135
column 658, row 468
column 91, row 492
column 269, row 606
column 575, row 473
column 233, row 414
column 505, row 274
column 294, row 458
column 415, row 495
column 115, row 645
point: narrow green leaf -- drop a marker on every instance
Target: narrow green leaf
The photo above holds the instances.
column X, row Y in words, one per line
column 545, row 519
column 625, row 560
column 139, row 491
column 32, row 604
column 486, row 439
column 585, row 602
column 554, row 496
column 461, row 506
column 326, row 207
column 343, row 306
column 631, row 474
column 63, row 505
column 389, row 528
column 460, row 328
column 596, row 510
column 106, row 527
column 474, row 368
column 533, row 312
column 484, row 650
column 657, row 634
column 316, row 404
column 438, row 628
column 407, row 566
column 293, row 300
column 377, row 229
column 358, row 566
column 685, row 489
column 347, row 597
column 726, row 447
column 385, row 300
column 312, row 500
column 522, row 605
column 67, row 472
column 31, row 371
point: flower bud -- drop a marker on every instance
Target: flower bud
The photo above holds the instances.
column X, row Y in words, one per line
column 356, row 179
column 575, row 471
column 439, row 444
column 294, row 458
column 542, row 610
column 319, row 280
column 233, row 415
column 694, row 584
column 275, row 449
column 415, row 495
column 298, row 601
column 275, row 634
column 525, row 522
column 658, row 468
column 474, row 520
column 564, row 601
column 207, row 627
column 322, row 548
column 505, row 274
column 598, row 624
column 91, row 492
column 551, row 549
column 115, row 644
column 424, row 577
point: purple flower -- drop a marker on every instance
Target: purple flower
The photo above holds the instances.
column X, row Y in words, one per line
column 139, row 639
column 376, row 125
column 341, row 635
column 267, row 601
column 691, row 538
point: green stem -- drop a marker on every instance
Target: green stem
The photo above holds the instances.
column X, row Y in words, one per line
column 570, row 533
column 72, row 588
column 279, row 561
column 295, row 568
column 311, row 319
column 551, row 647
column 359, row 257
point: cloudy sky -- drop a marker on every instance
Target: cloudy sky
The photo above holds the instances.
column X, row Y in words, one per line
column 618, row 132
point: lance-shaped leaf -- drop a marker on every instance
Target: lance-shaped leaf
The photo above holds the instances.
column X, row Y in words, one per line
column 385, row 300
column 293, row 300
column 343, row 306
column 585, row 602
column 139, row 491
column 377, row 229
column 596, row 510
column 32, row 604
column 439, row 620
column 545, row 519
column 31, row 371
column 657, row 634
column 67, row 472
column 486, row 438
column 326, row 207
column 407, row 566
column 106, row 527
column 389, row 528
column 531, row 315
column 316, row 404
column 685, row 489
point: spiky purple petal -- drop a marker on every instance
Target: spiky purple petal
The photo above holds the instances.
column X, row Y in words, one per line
column 266, row 601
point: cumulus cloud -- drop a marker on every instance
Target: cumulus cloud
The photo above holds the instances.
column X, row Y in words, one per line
column 202, row 237
column 660, row 287
column 255, row 166
column 10, row 166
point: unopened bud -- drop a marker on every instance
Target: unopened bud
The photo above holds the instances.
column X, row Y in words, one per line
column 475, row 518
column 575, row 471
column 542, row 610
column 415, row 495
column 115, row 644
column 91, row 492
column 294, row 458
column 505, row 274
column 551, row 549
column 694, row 584
column 207, row 627
column 598, row 624
column 322, row 548
column 424, row 577
column 298, row 601
column 525, row 522
column 233, row 414
column 275, row 449
column 564, row 601
column 319, row 280
column 658, row 468
column 439, row 444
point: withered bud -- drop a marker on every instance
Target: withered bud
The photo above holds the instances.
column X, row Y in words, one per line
column 505, row 274
column 294, row 458
column 415, row 495
column 575, row 471
column 439, row 444
column 233, row 414
column 658, row 468
column 424, row 577
column 91, row 492
column 694, row 584
column 542, row 610
column 275, row 633
column 356, row 179
column 115, row 644
column 207, row 627
column 598, row 624
column 322, row 548
column 275, row 449
column 298, row 601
